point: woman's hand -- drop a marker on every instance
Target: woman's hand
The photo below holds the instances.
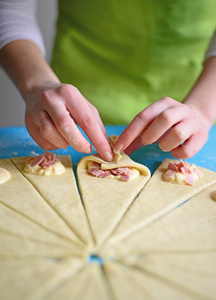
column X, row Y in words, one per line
column 52, row 109
column 52, row 113
column 176, row 127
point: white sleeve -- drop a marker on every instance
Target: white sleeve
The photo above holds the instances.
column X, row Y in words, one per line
column 18, row 20
column 212, row 47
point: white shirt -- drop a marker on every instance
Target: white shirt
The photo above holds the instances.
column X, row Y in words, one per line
column 18, row 20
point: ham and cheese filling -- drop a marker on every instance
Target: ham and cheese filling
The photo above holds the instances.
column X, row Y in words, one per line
column 182, row 173
column 46, row 165
column 4, row 175
column 122, row 173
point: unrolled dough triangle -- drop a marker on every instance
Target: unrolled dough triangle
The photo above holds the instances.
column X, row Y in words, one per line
column 194, row 272
column 132, row 283
column 157, row 198
column 61, row 193
column 18, row 194
column 190, row 227
column 89, row 284
column 34, row 278
column 106, row 199
column 17, row 224
column 16, row 246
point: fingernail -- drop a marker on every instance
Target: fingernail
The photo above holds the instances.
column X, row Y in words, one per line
column 118, row 147
column 108, row 156
column 89, row 150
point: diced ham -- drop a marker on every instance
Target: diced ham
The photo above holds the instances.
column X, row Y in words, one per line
column 170, row 174
column 48, row 154
column 29, row 159
column 47, row 163
column 198, row 172
column 95, row 170
column 1, row 172
column 183, row 167
column 183, row 170
column 189, row 179
column 44, row 161
column 172, row 166
column 37, row 160
column 125, row 177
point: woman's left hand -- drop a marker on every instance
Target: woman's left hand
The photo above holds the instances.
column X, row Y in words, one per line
column 176, row 127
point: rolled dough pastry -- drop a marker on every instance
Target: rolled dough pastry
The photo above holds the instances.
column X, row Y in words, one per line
column 106, row 200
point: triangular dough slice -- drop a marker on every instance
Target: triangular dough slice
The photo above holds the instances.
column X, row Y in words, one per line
column 32, row 279
column 62, row 195
column 132, row 283
column 188, row 228
column 14, row 223
column 18, row 194
column 106, row 199
column 157, row 198
column 88, row 284
column 16, row 246
column 193, row 271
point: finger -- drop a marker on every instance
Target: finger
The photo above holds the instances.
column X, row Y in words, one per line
column 190, row 147
column 163, row 122
column 49, row 131
column 176, row 136
column 93, row 127
column 97, row 117
column 35, row 133
column 140, row 123
column 69, row 130
column 135, row 145
column 55, row 103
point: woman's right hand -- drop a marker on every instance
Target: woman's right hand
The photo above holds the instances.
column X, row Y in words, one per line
column 52, row 113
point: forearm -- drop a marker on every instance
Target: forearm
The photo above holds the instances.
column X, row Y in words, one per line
column 202, row 97
column 24, row 63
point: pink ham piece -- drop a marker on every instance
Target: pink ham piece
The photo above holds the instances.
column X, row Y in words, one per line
column 184, row 168
column 172, row 166
column 198, row 172
column 189, row 179
column 1, row 172
column 170, row 174
column 37, row 160
column 96, row 170
column 44, row 161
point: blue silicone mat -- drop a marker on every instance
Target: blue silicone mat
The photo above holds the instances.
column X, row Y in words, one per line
column 16, row 141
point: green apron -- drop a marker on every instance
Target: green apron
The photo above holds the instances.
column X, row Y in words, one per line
column 123, row 55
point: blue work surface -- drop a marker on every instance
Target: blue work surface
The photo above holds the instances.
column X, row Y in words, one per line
column 15, row 141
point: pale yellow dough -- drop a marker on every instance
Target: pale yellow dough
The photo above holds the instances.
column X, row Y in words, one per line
column 151, row 242
column 61, row 193
column 189, row 227
column 19, row 195
column 157, row 198
column 107, row 200
column 35, row 278
column 4, row 175
column 89, row 284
